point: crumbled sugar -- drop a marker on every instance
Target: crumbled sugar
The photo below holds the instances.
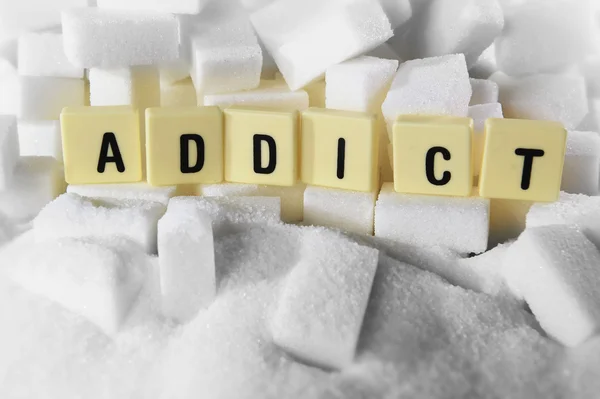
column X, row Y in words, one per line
column 43, row 98
column 460, row 224
column 397, row 11
column 485, row 65
column 19, row 17
column 98, row 38
column 323, row 301
column 484, row 92
column 186, row 257
column 96, row 279
column 72, row 215
column 40, row 138
column 560, row 98
column 42, row 54
column 178, row 94
column 507, row 220
column 37, row 181
column 229, row 214
column 359, row 84
column 9, row 150
column 479, row 114
column 577, row 210
column 270, row 94
column 436, row 86
column 126, row 191
column 555, row 269
column 172, row 6
column 349, row 211
column 455, row 26
column 581, row 171
column 542, row 36
column 305, row 38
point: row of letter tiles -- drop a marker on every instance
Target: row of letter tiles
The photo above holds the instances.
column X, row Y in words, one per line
column 432, row 155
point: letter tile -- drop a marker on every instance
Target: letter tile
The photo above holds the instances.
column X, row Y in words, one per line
column 101, row 145
column 184, row 145
column 433, row 156
column 261, row 146
column 523, row 160
column 340, row 149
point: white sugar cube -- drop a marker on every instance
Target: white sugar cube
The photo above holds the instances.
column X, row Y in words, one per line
column 97, row 279
column 479, row 114
column 270, row 94
column 560, row 98
column 178, row 94
column 461, row 224
column 99, row 38
column 186, row 257
column 359, row 84
column 43, row 98
column 542, row 36
column 482, row 273
column 37, row 181
column 350, row 211
column 307, row 37
column 581, row 171
column 577, row 210
column 555, row 269
column 436, row 86
column 40, row 138
column 42, row 54
column 323, row 302
column 171, row 6
column 125, row 191
column 484, row 92
column 9, row 150
column 138, row 86
column 397, row 11
column 228, row 190
column 455, row 26
column 71, row 215
column 229, row 214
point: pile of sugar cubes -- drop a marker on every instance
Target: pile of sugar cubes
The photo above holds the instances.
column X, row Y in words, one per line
column 91, row 248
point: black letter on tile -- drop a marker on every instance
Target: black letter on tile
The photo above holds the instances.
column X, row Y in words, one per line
column 109, row 142
column 529, row 154
column 430, row 166
column 341, row 159
column 184, row 146
column 258, row 168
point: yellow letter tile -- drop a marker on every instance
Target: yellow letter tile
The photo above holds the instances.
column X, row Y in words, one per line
column 340, row 149
column 522, row 160
column 261, row 146
column 184, row 145
column 101, row 145
column 432, row 155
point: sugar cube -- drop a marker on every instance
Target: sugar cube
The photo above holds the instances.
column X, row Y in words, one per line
column 71, row 215
column 97, row 279
column 42, row 54
column 479, row 114
column 581, row 171
column 229, row 214
column 458, row 223
column 99, row 38
column 305, row 38
column 483, row 273
column 435, row 86
column 186, row 257
column 139, row 86
column 554, row 268
column 126, row 191
column 174, row 7
column 270, row 94
column 484, row 92
column 560, row 98
column 543, row 36
column 40, row 138
column 350, row 211
column 9, row 150
column 37, row 181
column 43, row 98
column 323, row 302
column 577, row 210
column 397, row 11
